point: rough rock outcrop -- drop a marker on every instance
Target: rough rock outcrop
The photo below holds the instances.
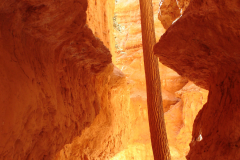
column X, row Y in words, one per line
column 203, row 45
column 171, row 10
column 56, row 77
column 110, row 131
column 180, row 118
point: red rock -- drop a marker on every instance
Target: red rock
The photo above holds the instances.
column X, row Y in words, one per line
column 100, row 20
column 62, row 98
column 203, row 45
column 171, row 10
column 56, row 80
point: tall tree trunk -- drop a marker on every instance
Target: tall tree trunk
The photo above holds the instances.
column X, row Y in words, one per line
column 154, row 95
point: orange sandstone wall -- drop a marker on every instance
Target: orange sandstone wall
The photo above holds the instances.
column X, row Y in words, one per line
column 180, row 118
column 100, row 20
column 57, row 80
column 109, row 133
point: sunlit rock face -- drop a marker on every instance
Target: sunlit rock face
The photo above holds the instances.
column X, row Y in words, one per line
column 203, row 45
column 109, row 133
column 171, row 10
column 100, row 21
column 129, row 51
column 58, row 85
column 179, row 119
column 181, row 100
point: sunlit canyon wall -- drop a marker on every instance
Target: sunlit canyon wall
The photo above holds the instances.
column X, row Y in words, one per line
column 181, row 98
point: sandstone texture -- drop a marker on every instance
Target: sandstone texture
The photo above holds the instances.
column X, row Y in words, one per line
column 62, row 98
column 181, row 100
column 180, row 118
column 58, row 87
column 171, row 10
column 110, row 131
column 100, row 20
column 203, row 45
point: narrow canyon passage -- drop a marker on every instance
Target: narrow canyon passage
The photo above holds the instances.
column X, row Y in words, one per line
column 72, row 82
column 181, row 99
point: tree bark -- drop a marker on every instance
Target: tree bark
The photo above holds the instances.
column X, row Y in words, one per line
column 154, row 95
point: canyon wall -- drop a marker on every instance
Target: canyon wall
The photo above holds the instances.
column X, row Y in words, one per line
column 109, row 133
column 58, row 87
column 100, row 20
column 203, row 45
column 181, row 99
column 62, row 98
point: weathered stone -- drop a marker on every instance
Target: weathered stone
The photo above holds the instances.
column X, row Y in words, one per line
column 203, row 45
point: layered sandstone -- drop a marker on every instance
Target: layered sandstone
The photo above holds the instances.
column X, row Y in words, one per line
column 129, row 51
column 57, row 80
column 176, row 105
column 203, row 45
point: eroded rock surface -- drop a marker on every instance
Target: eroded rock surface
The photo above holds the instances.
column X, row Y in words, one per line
column 203, row 45
column 100, row 20
column 183, row 113
column 171, row 10
column 110, row 131
column 57, row 79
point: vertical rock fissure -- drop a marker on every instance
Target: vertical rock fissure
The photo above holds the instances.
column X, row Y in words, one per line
column 154, row 97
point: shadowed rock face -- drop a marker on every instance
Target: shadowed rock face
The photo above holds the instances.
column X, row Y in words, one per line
column 56, row 77
column 202, row 48
column 203, row 45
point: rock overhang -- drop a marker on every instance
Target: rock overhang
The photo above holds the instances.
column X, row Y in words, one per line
column 203, row 43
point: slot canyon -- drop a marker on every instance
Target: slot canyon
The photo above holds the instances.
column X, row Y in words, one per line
column 72, row 79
